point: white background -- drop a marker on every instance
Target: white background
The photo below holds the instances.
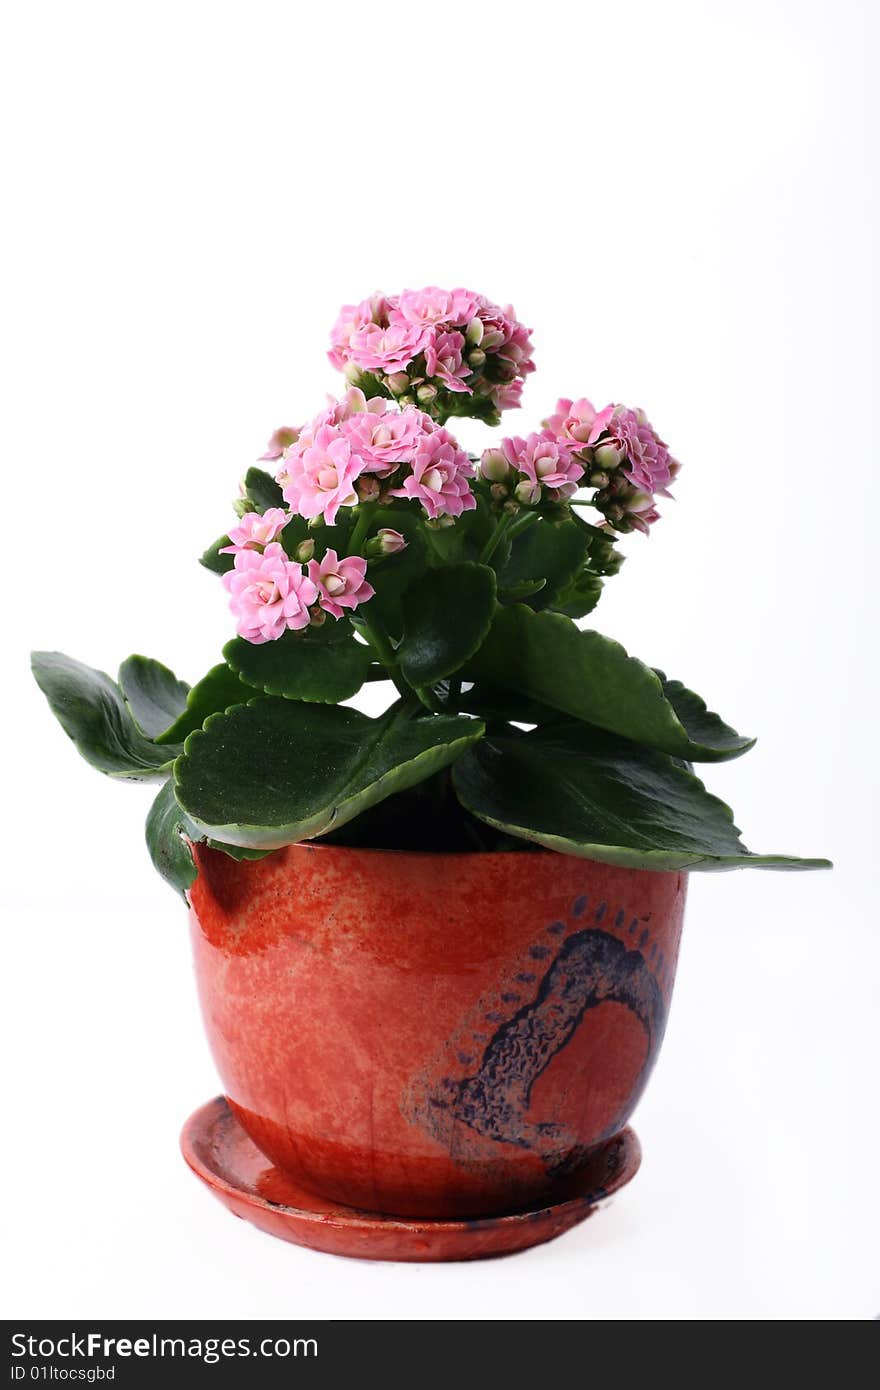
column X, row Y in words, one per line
column 680, row 199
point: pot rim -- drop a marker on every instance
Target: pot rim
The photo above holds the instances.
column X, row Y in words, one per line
column 539, row 852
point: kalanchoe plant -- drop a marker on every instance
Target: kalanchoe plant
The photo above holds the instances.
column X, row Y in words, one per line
column 381, row 551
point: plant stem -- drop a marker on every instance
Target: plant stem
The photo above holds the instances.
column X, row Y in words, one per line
column 361, row 527
column 381, row 644
column 512, row 524
column 429, row 699
column 522, row 523
column 497, row 535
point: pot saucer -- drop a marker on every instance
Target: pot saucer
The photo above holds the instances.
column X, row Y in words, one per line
column 220, row 1153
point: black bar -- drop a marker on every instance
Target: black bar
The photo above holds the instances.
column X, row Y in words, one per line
column 141, row 1353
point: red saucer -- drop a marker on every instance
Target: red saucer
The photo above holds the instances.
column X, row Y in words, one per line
column 219, row 1152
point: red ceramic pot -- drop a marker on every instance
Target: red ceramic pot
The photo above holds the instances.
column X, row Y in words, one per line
column 433, row 1035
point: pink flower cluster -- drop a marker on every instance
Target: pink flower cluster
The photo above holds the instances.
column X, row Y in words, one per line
column 365, row 450
column 424, row 344
column 630, row 466
column 269, row 593
column 540, row 466
column 614, row 450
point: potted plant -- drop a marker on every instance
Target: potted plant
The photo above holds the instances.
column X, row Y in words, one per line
column 435, row 948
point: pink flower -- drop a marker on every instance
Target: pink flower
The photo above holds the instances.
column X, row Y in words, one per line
column 443, row 359
column 340, row 584
column 336, row 412
column 641, row 512
column 544, row 463
column 280, row 440
column 354, row 402
column 390, row 542
column 268, row 594
column 383, row 437
column 423, row 307
column 353, row 317
column 440, row 476
column 503, row 333
column 255, row 531
column 517, row 345
column 377, row 349
column 578, row 423
column 319, row 478
column 465, row 306
column 643, row 456
column 507, row 395
column 435, row 307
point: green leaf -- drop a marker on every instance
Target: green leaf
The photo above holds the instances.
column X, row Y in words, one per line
column 447, row 614
column 261, row 489
column 153, row 693
column 589, row 676
column 580, row 597
column 584, row 793
column 214, row 561
column 554, row 551
column 216, row 691
column 92, row 712
column 517, row 593
column 496, row 705
column 167, row 825
column 451, row 545
column 169, row 851
column 702, row 725
column 277, row 771
column 323, row 664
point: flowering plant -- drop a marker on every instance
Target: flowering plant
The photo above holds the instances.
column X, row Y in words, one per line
column 374, row 548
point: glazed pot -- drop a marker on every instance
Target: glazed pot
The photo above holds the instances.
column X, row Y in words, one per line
column 432, row 1035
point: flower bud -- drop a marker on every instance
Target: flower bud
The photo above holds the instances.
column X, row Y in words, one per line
column 607, row 456
column 639, row 501
column 528, row 493
column 317, row 617
column 352, row 373
column 280, row 439
column 612, row 564
column 426, row 394
column 510, row 507
column 408, row 399
column 599, row 480
column 474, row 332
column 498, row 492
column 304, row 551
column 368, row 489
column 397, row 383
column 494, row 466
column 477, row 359
column 390, row 542
column 242, row 505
